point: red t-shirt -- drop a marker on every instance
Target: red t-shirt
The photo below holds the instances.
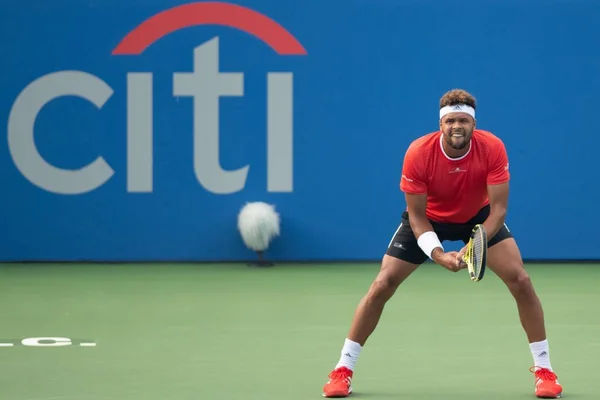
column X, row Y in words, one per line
column 456, row 188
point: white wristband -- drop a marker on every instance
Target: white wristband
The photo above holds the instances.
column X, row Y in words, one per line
column 429, row 241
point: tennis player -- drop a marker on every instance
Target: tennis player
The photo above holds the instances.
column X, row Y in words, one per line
column 452, row 179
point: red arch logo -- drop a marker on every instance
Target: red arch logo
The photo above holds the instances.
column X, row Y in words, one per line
column 209, row 13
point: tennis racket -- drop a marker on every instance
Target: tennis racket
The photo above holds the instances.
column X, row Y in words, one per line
column 476, row 254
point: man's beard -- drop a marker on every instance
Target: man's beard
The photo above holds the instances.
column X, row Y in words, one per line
column 458, row 142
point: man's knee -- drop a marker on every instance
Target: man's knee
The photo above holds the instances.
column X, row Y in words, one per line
column 521, row 280
column 520, row 283
column 393, row 273
column 504, row 258
column 382, row 289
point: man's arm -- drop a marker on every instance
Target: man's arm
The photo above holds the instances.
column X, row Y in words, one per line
column 498, row 195
column 417, row 206
column 414, row 185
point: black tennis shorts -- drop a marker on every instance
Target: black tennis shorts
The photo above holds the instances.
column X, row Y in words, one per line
column 404, row 243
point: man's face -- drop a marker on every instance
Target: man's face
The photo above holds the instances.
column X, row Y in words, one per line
column 457, row 129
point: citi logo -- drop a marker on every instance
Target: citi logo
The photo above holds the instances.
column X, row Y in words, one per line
column 205, row 85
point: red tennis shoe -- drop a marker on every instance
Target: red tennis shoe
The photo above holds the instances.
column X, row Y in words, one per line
column 546, row 384
column 339, row 384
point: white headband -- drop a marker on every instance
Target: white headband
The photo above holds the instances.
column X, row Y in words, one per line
column 457, row 108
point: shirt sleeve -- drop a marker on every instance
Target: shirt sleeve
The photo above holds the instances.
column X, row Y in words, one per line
column 413, row 173
column 498, row 164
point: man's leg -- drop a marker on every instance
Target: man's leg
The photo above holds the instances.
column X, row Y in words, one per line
column 504, row 258
column 402, row 258
column 392, row 273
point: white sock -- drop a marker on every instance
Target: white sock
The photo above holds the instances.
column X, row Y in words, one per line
column 541, row 354
column 349, row 354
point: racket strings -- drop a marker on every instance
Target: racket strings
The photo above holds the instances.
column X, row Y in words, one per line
column 478, row 249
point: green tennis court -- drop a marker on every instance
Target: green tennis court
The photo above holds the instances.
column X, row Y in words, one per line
column 186, row 331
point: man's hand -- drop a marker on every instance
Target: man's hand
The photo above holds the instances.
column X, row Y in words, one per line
column 450, row 260
column 462, row 252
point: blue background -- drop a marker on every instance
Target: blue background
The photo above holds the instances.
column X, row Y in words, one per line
column 370, row 84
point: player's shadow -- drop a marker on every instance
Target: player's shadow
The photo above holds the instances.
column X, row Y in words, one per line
column 378, row 395
column 438, row 394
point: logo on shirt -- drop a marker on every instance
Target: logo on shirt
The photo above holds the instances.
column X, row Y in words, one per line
column 456, row 170
column 506, row 167
column 407, row 178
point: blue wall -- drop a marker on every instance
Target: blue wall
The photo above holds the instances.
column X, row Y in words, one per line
column 368, row 84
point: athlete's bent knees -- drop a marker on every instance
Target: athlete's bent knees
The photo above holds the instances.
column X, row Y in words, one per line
column 504, row 258
column 393, row 272
column 520, row 285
